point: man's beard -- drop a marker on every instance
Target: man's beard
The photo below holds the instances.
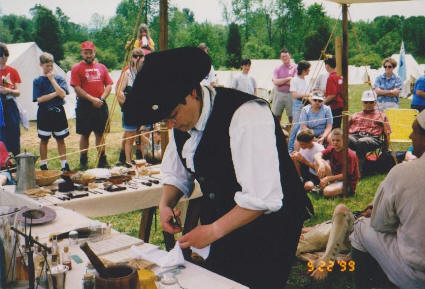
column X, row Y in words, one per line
column 89, row 61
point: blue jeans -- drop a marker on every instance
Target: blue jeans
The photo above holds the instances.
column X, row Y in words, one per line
column 296, row 111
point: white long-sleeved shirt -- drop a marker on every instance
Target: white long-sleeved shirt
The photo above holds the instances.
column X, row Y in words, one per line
column 398, row 210
column 254, row 155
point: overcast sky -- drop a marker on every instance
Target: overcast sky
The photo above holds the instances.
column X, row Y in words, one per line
column 80, row 11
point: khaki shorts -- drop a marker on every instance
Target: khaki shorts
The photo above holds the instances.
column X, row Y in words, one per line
column 282, row 100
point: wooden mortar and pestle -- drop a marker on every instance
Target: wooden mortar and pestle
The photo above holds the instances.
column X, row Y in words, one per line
column 112, row 277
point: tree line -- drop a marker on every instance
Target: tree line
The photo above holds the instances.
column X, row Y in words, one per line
column 253, row 29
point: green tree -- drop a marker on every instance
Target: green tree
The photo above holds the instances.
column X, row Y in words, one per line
column 16, row 29
column 233, row 46
column 47, row 32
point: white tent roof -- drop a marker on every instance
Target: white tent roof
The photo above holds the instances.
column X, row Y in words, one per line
column 262, row 71
column 24, row 57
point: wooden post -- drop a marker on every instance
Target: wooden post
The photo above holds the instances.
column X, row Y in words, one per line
column 163, row 25
column 345, row 94
column 338, row 55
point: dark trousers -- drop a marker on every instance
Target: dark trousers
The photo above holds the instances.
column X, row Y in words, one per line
column 363, row 143
column 368, row 274
column 337, row 115
column 417, row 107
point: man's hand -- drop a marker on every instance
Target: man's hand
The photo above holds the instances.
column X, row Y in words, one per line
column 324, row 182
column 4, row 90
column 97, row 102
column 320, row 140
column 298, row 157
column 199, row 237
column 166, row 217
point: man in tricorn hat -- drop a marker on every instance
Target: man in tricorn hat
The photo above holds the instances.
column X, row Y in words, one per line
column 253, row 203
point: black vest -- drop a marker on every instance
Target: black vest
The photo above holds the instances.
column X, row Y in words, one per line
column 214, row 167
column 260, row 253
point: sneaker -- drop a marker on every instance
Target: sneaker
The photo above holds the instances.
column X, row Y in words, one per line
column 43, row 167
column 66, row 168
column 127, row 165
column 121, row 159
column 103, row 163
column 139, row 155
column 83, row 162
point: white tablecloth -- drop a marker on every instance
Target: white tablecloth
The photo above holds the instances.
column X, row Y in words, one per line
column 192, row 277
column 96, row 205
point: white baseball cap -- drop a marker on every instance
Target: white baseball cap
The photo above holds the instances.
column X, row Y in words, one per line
column 317, row 95
column 368, row 96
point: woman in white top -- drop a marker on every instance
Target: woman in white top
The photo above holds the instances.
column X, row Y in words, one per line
column 300, row 92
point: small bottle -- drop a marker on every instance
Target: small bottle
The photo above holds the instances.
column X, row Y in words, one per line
column 66, row 258
column 88, row 281
column 38, row 262
column 55, row 251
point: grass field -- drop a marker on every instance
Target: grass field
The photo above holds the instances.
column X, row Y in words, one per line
column 129, row 222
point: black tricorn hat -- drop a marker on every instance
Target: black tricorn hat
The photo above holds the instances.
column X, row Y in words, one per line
column 163, row 82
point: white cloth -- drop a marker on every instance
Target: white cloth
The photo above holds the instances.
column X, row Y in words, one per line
column 252, row 133
column 298, row 85
column 160, row 257
column 210, row 78
column 321, row 81
column 308, row 154
column 244, row 83
column 395, row 235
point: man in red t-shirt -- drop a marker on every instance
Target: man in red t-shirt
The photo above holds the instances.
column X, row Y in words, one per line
column 333, row 92
column 92, row 85
column 330, row 174
column 9, row 118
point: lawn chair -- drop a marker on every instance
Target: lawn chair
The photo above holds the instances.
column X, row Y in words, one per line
column 401, row 121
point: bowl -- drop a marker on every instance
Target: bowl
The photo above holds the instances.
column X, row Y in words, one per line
column 46, row 178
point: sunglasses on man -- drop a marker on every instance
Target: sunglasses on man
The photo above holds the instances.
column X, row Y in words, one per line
column 388, row 66
column 368, row 102
column 137, row 56
column 318, row 100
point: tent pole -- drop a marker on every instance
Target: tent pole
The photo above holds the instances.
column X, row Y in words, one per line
column 345, row 94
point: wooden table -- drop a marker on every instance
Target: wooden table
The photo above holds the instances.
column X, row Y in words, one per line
column 145, row 198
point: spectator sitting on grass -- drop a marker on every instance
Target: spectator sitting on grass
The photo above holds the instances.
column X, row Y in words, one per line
column 318, row 117
column 304, row 159
column 330, row 173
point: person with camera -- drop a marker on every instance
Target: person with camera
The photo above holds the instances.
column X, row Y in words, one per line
column 130, row 131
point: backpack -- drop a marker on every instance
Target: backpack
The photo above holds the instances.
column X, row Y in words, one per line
column 4, row 155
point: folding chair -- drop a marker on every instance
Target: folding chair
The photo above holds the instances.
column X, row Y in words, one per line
column 401, row 124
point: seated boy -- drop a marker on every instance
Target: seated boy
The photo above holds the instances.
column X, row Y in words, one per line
column 49, row 91
column 330, row 173
column 304, row 159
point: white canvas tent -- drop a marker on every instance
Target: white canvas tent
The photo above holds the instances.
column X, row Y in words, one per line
column 24, row 57
column 262, row 71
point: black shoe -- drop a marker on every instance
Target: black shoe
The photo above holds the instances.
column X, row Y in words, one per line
column 121, row 159
column 139, row 155
column 66, row 168
column 43, row 168
column 103, row 163
column 127, row 165
column 83, row 162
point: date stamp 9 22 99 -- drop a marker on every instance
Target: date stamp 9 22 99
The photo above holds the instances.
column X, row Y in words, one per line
column 342, row 266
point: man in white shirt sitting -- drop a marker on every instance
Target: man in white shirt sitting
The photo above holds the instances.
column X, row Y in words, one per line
column 243, row 81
